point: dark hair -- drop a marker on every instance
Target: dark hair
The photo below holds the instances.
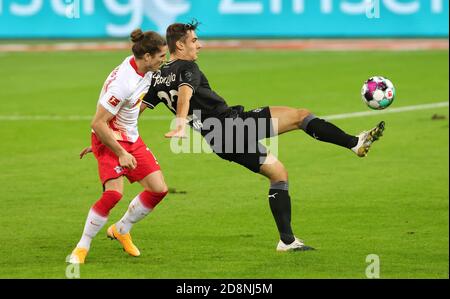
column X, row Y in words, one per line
column 146, row 42
column 178, row 32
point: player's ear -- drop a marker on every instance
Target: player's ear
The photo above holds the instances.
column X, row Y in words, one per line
column 180, row 45
column 147, row 57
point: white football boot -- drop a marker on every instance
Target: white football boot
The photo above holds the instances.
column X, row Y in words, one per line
column 297, row 245
column 365, row 140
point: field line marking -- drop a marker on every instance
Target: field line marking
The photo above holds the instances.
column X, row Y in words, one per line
column 387, row 111
column 164, row 117
column 67, row 117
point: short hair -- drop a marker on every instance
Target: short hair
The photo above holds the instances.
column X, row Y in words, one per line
column 178, row 32
column 146, row 42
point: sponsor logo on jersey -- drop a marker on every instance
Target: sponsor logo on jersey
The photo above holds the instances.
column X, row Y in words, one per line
column 164, row 80
column 113, row 101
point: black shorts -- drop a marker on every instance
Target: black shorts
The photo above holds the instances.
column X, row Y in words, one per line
column 238, row 138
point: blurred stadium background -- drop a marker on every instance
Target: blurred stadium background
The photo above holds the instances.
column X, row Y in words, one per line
column 216, row 223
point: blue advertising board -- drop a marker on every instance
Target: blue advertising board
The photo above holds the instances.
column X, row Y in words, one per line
column 226, row 18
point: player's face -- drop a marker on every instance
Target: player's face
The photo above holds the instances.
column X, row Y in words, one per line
column 192, row 46
column 154, row 62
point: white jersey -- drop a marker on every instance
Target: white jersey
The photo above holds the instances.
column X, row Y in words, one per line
column 122, row 95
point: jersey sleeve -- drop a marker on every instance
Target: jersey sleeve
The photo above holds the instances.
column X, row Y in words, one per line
column 190, row 75
column 151, row 99
column 113, row 99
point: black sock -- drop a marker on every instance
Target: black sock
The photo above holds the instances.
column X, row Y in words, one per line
column 327, row 132
column 280, row 205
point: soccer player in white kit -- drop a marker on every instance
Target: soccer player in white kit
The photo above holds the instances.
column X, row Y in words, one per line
column 118, row 148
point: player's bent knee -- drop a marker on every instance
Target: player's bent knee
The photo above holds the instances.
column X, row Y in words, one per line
column 151, row 199
column 160, row 187
column 281, row 174
column 302, row 114
column 278, row 173
column 279, row 178
column 105, row 204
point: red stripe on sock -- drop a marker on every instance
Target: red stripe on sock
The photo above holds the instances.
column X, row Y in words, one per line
column 108, row 200
column 151, row 199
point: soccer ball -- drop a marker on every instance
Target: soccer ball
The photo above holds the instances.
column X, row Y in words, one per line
column 378, row 93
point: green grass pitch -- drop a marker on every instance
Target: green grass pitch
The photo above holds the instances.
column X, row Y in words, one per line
column 394, row 203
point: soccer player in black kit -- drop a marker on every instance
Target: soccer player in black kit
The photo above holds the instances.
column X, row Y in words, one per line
column 185, row 90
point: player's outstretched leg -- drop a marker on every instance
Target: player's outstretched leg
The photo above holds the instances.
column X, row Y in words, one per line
column 140, row 206
column 96, row 219
column 290, row 119
column 280, row 205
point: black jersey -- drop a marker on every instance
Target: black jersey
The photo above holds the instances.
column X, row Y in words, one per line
column 165, row 84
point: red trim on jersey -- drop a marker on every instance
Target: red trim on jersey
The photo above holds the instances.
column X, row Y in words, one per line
column 135, row 67
column 113, row 127
column 112, row 124
column 111, row 78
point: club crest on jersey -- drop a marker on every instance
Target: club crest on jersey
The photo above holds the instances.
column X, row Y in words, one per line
column 118, row 169
column 113, row 101
column 188, row 75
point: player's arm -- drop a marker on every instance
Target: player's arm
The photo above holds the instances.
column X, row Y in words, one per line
column 85, row 151
column 150, row 100
column 142, row 108
column 88, row 149
column 100, row 126
column 185, row 93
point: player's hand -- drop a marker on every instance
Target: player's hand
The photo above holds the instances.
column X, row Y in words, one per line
column 127, row 160
column 177, row 133
column 86, row 151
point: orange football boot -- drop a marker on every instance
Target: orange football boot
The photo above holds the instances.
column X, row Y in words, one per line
column 78, row 255
column 124, row 239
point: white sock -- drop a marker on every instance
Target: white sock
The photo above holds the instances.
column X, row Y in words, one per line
column 136, row 212
column 94, row 224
